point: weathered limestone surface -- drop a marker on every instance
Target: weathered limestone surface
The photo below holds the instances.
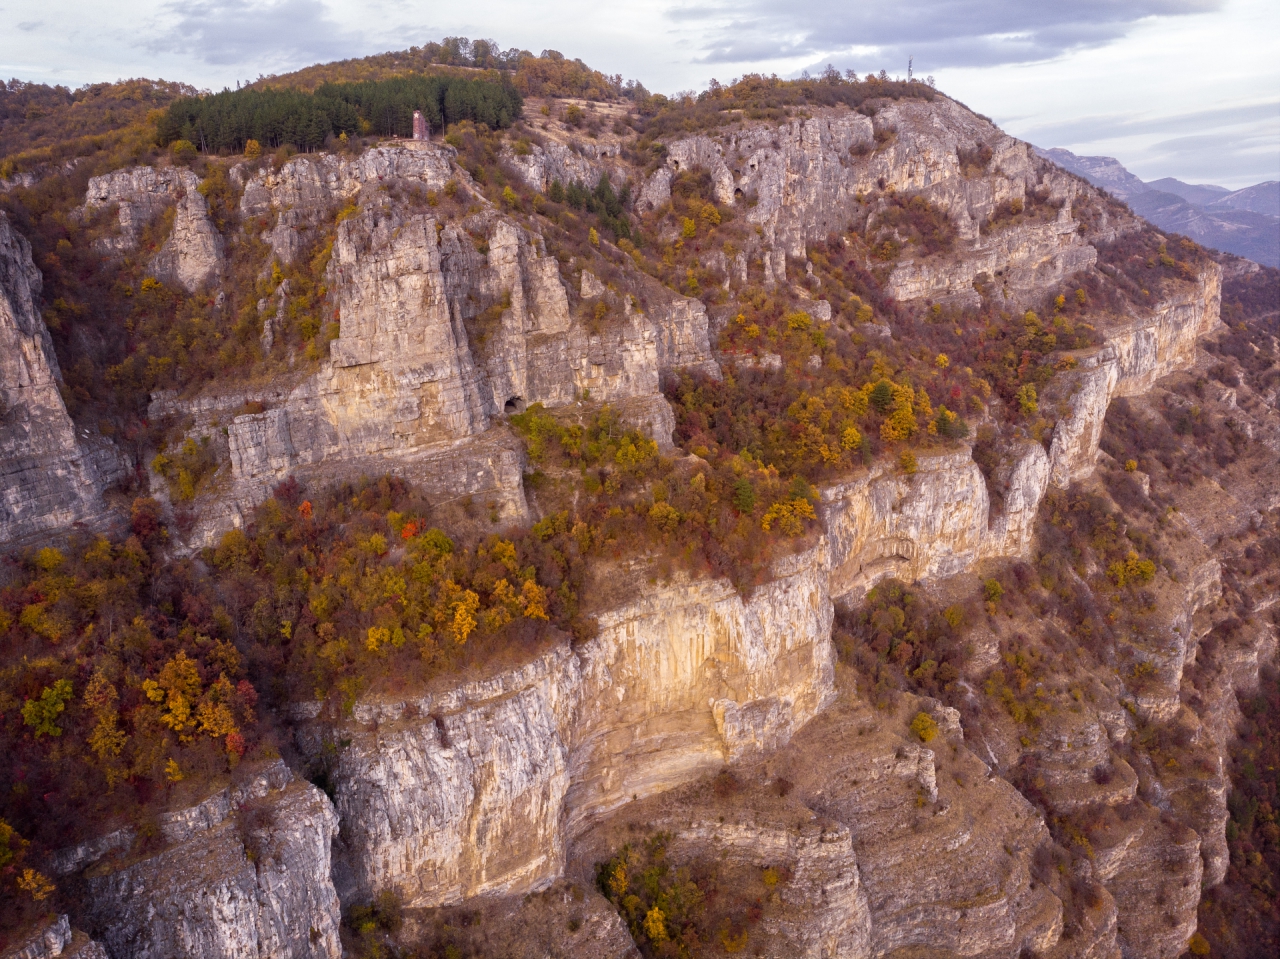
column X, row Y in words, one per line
column 1134, row 357
column 805, row 175
column 820, row 911
column 944, row 854
column 55, row 938
column 566, row 920
column 551, row 161
column 826, row 907
column 437, row 341
column 193, row 253
column 476, row 790
column 447, row 797
column 708, row 678
column 483, row 789
column 50, row 478
column 1157, row 887
column 930, row 524
column 204, row 897
column 306, row 191
column 938, row 521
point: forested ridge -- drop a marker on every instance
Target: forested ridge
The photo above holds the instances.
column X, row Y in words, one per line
column 226, row 121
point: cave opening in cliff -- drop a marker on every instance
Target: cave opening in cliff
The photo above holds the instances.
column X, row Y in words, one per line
column 514, row 405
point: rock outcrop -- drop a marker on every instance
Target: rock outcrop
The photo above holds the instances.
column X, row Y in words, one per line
column 193, row 252
column 55, row 938
column 930, row 524
column 1136, row 354
column 477, row 790
column 498, row 787
column 820, row 910
column 306, row 191
column 50, row 477
column 245, row 874
column 945, row 854
column 567, row 920
column 444, row 327
column 805, row 175
column 552, row 161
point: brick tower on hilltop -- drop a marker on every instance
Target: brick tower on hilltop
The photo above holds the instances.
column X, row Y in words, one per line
column 420, row 129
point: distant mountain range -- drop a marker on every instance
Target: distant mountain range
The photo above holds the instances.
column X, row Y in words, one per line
column 1244, row 222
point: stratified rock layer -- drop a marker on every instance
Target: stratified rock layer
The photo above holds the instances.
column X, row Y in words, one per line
column 475, row 791
column 488, row 788
column 49, row 477
column 438, row 339
column 250, row 883
column 193, row 252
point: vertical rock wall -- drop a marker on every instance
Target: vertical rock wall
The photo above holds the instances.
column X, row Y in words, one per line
column 244, row 877
column 690, row 676
column 1134, row 357
column 49, row 477
column 193, row 252
column 477, row 790
column 437, row 340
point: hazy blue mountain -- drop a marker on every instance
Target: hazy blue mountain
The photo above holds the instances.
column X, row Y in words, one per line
column 1259, row 198
column 1105, row 172
column 1201, row 194
column 1244, row 222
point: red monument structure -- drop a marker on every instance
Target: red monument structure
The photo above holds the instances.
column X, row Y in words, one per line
column 420, row 129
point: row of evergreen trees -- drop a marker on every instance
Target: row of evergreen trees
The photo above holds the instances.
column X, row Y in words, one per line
column 224, row 122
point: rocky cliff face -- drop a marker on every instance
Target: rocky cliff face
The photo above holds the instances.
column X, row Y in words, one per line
column 304, row 192
column 819, row 911
column 477, row 790
column 804, row 176
column 1135, row 356
column 50, row 478
column 445, row 325
column 930, row 524
column 193, row 252
column 56, row 938
column 499, row 786
column 945, row 853
column 244, row 874
column 939, row 521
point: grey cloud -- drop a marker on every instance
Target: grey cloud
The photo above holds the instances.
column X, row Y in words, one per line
column 939, row 33
column 280, row 33
column 1232, row 145
column 1098, row 128
column 26, row 26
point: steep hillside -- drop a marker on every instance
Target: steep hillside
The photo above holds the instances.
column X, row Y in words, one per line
column 798, row 520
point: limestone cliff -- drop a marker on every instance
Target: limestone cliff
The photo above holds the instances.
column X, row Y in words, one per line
column 444, row 326
column 939, row 521
column 821, row 909
column 804, row 176
column 55, row 938
column 50, row 478
column 193, row 252
column 302, row 193
column 478, row 789
column 244, row 874
column 930, row 524
column 1135, row 356
column 502, row 785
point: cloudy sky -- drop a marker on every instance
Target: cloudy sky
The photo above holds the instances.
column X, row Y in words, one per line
column 1184, row 88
